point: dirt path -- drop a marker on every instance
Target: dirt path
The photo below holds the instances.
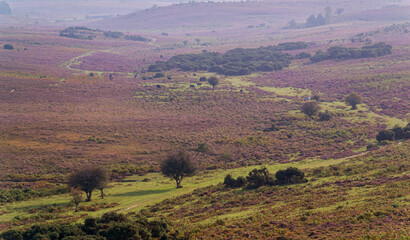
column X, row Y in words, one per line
column 68, row 64
column 363, row 153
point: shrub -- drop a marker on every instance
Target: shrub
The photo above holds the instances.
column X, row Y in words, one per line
column 12, row 235
column 399, row 133
column 385, row 135
column 258, row 178
column 291, row 175
column 325, row 116
column 353, row 99
column 111, row 226
column 8, row 47
column 231, row 182
column 159, row 75
column 310, row 108
column 202, row 147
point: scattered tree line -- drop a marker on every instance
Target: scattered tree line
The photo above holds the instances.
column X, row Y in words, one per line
column 313, row 20
column 234, row 62
column 111, row 226
column 396, row 133
column 261, row 177
column 90, row 34
column 343, row 53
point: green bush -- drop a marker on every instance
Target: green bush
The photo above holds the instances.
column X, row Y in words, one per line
column 258, row 178
column 8, row 47
column 291, row 175
column 111, row 226
column 385, row 135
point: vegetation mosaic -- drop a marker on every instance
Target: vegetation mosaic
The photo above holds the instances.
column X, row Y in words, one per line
column 205, row 120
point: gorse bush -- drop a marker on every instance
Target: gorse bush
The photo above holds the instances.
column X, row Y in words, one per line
column 261, row 177
column 291, row 175
column 8, row 47
column 396, row 133
column 111, row 226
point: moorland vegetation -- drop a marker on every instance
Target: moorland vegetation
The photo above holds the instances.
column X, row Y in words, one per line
column 337, row 170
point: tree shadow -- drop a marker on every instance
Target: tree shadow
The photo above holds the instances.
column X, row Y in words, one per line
column 141, row 193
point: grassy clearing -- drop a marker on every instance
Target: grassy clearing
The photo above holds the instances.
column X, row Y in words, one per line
column 136, row 192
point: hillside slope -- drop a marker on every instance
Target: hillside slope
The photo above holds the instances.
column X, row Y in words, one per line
column 232, row 13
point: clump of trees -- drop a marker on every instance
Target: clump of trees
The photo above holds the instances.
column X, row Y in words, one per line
column 234, row 62
column 343, row 53
column 85, row 33
column 177, row 166
column 111, row 226
column 110, row 34
column 353, row 99
column 396, row 133
column 261, row 177
column 136, row 38
column 89, row 179
column 310, row 108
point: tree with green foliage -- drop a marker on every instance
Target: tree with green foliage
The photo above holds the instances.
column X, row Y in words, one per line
column 12, row 235
column 178, row 166
column 310, row 108
column 353, row 99
column 399, row 133
column 110, row 226
column 231, row 182
column 213, row 81
column 385, row 135
column 88, row 179
column 291, row 175
column 258, row 178
column 77, row 197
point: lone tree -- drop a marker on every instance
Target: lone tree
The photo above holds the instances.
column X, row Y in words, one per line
column 353, row 99
column 213, row 81
column 310, row 108
column 89, row 179
column 177, row 166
